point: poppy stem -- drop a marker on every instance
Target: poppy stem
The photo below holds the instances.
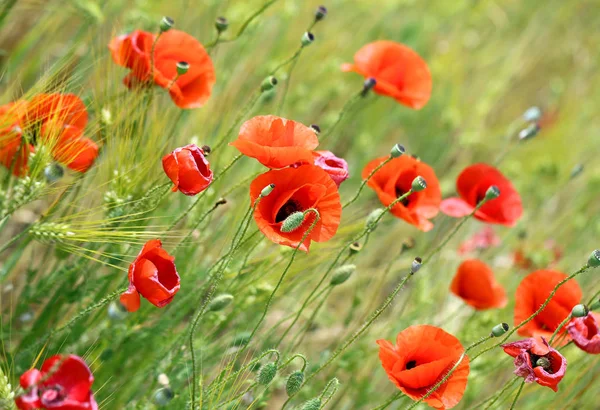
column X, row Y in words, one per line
column 200, row 220
column 299, row 356
column 365, row 181
column 559, row 327
column 345, row 109
column 389, row 401
column 496, row 396
column 295, row 343
column 512, row 406
column 334, row 385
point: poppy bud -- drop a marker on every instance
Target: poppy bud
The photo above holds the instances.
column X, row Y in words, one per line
column 492, row 192
column 341, row 274
column 418, row 184
column 182, row 67
column 532, row 114
column 53, row 172
column 220, row 302
column 267, row 190
column 268, row 83
column 116, row 311
column 221, row 24
column 580, row 310
column 397, row 151
column 416, row 265
column 373, row 216
column 166, row 24
column 529, row 132
column 368, row 85
column 294, row 382
column 500, row 329
column 577, row 169
column 267, row 373
column 307, row 39
column 355, row 248
column 316, row 128
column 594, row 260
column 321, row 13
column 543, row 362
column 163, row 396
column 292, row 222
column 312, row 404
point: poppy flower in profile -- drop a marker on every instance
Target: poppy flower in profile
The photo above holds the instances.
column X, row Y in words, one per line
column 585, row 332
column 297, row 190
column 536, row 361
column 472, row 184
column 63, row 383
column 276, row 142
column 188, row 169
column 399, row 72
column 533, row 291
column 484, row 239
column 336, row 167
column 422, row 356
column 395, row 179
column 153, row 275
column 189, row 90
column 474, row 283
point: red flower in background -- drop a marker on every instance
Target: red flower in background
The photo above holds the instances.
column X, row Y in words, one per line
column 422, row 356
column 474, row 283
column 276, row 142
column 337, row 168
column 395, row 178
column 484, row 239
column 585, row 332
column 63, row 383
column 297, row 190
column 152, row 275
column 472, row 184
column 188, row 169
column 536, row 361
column 543, row 257
column 400, row 72
column 190, row 90
column 533, row 291
column 14, row 151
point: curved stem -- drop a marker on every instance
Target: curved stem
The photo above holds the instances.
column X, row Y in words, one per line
column 364, row 182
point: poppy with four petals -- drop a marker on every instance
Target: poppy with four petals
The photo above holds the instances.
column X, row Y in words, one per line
column 474, row 283
column 189, row 170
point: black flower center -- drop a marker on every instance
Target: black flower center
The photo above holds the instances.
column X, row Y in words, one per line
column 399, row 193
column 287, row 209
column 411, row 365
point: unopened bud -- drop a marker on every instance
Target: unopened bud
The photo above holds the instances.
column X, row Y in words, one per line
column 292, row 222
column 373, row 217
column 543, row 362
column 397, row 151
column 492, row 192
column 341, row 274
column 416, row 265
column 182, row 67
column 166, row 24
column 221, row 24
column 267, row 190
column 220, row 302
column 321, row 13
column 312, row 404
column 267, row 373
column 532, row 114
column 500, row 329
column 368, row 85
column 316, row 128
column 529, row 132
column 418, row 184
column 268, row 83
column 307, row 39
column 53, row 172
column 242, row 339
column 580, row 310
column 594, row 259
column 163, row 396
column 294, row 383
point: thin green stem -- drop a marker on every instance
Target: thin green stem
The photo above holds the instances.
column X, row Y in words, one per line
column 310, row 321
column 345, row 109
column 560, row 326
column 365, row 181
column 512, row 406
column 496, row 396
column 389, row 401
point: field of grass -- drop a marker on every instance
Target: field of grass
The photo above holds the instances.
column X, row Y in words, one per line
column 66, row 244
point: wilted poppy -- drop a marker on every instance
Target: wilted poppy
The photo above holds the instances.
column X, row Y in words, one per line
column 191, row 89
column 533, row 291
column 395, row 179
column 585, row 332
column 63, row 383
column 276, row 142
column 399, row 71
column 188, row 169
column 336, row 167
column 297, row 190
column 484, row 239
column 153, row 275
column 472, row 185
column 474, row 283
column 536, row 361
column 423, row 355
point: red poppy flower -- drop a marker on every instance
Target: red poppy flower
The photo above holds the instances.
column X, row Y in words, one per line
column 474, row 283
column 399, row 71
column 297, row 190
column 190, row 90
column 472, row 184
column 585, row 332
column 276, row 142
column 422, row 356
column 188, row 169
column 14, row 150
column 152, row 275
column 63, row 383
column 536, row 361
column 337, row 168
column 484, row 239
column 533, row 291
column 395, row 179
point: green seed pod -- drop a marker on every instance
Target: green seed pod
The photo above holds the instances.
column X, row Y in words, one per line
column 355, row 248
column 268, row 83
column 307, row 39
column 267, row 373
column 543, row 362
column 267, row 190
column 221, row 24
column 292, row 222
column 397, row 151
column 594, row 259
column 166, row 24
column 341, row 274
column 418, row 184
column 53, row 172
column 163, row 396
column 321, row 13
column 580, row 310
column 220, row 302
column 294, row 382
column 416, row 265
column 500, row 329
column 312, row 404
column 492, row 192
column 182, row 67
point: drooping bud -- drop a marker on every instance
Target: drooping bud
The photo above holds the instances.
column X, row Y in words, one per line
column 267, row 190
column 373, row 216
column 292, row 222
column 594, row 259
column 163, row 396
column 397, row 151
column 416, row 265
column 267, row 373
column 182, row 67
column 220, row 302
column 321, row 13
column 166, row 24
column 532, row 114
column 500, row 329
column 268, row 83
column 543, row 362
column 580, row 310
column 307, row 39
column 316, row 128
column 418, row 184
column 576, row 171
column 221, row 24
column 312, row 404
column 492, row 192
column 355, row 248
column 341, row 274
column 53, row 172
column 368, row 85
column 529, row 132
column 294, row 382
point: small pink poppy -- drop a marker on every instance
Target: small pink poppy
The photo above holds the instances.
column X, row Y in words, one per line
column 336, row 167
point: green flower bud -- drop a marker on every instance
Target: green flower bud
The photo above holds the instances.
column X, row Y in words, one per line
column 163, row 396
column 418, row 184
column 500, row 329
column 268, row 83
column 182, row 67
column 166, row 24
column 594, row 260
column 492, row 192
column 307, row 39
column 221, row 24
column 341, row 274
column 292, row 222
column 580, row 310
column 220, row 302
column 267, row 373
column 312, row 404
column 294, row 382
column 267, row 190
column 373, row 216
column 397, row 151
